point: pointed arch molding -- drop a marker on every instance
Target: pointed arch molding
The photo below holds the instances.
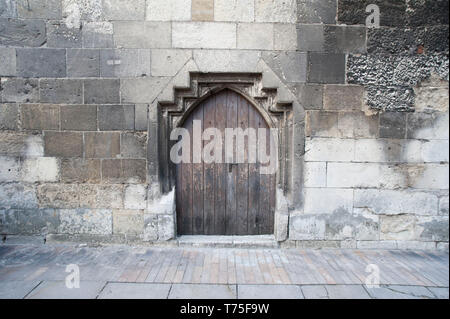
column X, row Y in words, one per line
column 266, row 92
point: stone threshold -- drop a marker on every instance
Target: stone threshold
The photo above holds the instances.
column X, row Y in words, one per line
column 256, row 241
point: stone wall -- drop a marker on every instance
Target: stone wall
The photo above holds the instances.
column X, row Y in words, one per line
column 79, row 79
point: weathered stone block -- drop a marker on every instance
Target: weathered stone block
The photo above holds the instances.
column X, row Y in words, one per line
column 97, row 35
column 135, row 197
column 329, row 150
column 8, row 65
column 15, row 195
column 327, row 200
column 58, row 195
column 234, row 10
column 433, row 228
column 19, row 90
column 388, row 150
column 83, row 63
column 131, row 171
column 443, row 205
column 348, row 39
column 436, row 151
column 379, row 244
column 128, row 222
column 317, row 11
column 285, row 37
column 61, row 91
column 76, row 10
column 39, row 9
column 428, row 176
column 115, row 117
column 59, row 35
column 203, row 35
column 109, row 196
column 63, row 144
column 102, row 145
column 202, row 10
column 393, row 125
column 276, row 11
column 125, row 63
column 358, row 125
column 41, row 62
column 85, row 221
column 40, row 116
column 310, row 37
column 326, row 68
column 321, row 124
column 257, row 36
column 343, row 97
column 30, row 221
column 416, row 245
column 141, row 117
column 315, row 174
column 310, row 96
column 144, row 35
column 101, row 91
column 430, row 99
column 21, row 145
column 77, row 170
column 428, row 126
column 400, row 227
column 40, row 169
column 142, row 90
column 392, row 98
column 226, row 60
column 133, row 145
column 79, row 117
column 396, row 202
column 21, row 33
column 8, row 9
column 367, row 225
column 166, row 227
column 289, row 66
column 124, row 10
column 168, row 62
column 10, row 169
column 171, row 10
column 150, row 227
column 8, row 116
column 306, row 227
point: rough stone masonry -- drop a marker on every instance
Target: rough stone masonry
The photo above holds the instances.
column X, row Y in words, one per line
column 79, row 81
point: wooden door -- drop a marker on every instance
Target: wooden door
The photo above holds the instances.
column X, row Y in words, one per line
column 224, row 198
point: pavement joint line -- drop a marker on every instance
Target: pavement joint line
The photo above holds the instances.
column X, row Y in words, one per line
column 40, row 282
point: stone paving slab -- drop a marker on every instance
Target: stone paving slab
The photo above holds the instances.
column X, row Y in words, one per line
column 199, row 291
column 58, row 290
column 440, row 293
column 347, row 292
column 135, row 291
column 315, row 292
column 16, row 289
column 269, row 292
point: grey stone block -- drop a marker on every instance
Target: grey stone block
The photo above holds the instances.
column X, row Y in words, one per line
column 142, row 90
column 102, row 145
column 131, row 171
column 59, row 35
column 79, row 117
column 97, row 35
column 37, row 221
column 26, row 33
column 83, row 63
column 199, row 291
column 347, row 39
column 310, row 37
column 8, row 65
column 343, row 97
column 141, row 117
column 347, row 292
column 17, row 196
column 8, row 9
column 142, row 34
column 58, row 290
column 19, row 90
column 392, row 125
column 8, row 116
column 63, row 144
column 39, row 9
column 65, row 91
column 317, row 11
column 269, row 292
column 125, row 63
column 135, row 291
column 133, row 145
column 102, row 91
column 124, row 10
column 315, row 292
column 40, row 116
column 326, row 68
column 73, row 221
column 290, row 66
column 310, row 96
column 16, row 289
column 116, row 117
column 77, row 170
column 41, row 62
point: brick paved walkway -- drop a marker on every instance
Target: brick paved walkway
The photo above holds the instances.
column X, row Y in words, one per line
column 25, row 270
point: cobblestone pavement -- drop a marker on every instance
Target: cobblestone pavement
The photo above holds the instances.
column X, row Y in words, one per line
column 29, row 271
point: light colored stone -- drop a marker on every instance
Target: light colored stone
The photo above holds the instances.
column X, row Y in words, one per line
column 285, row 37
column 327, row 200
column 435, row 151
column 86, row 221
column 226, row 60
column 347, row 292
column 59, row 290
column 416, row 245
column 117, row 290
column 276, row 11
column 396, row 202
column 203, row 35
column 16, row 289
column 329, row 149
column 202, row 10
column 124, row 63
column 429, row 176
column 281, row 226
column 166, row 227
column 169, row 10
column 315, row 174
column 150, row 227
column 432, row 228
column 441, row 293
column 306, row 227
column 431, row 99
column 270, row 292
column 109, row 196
column 168, row 62
column 400, row 227
column 8, row 65
column 442, row 247
column 135, row 197
column 14, row 195
column 199, row 291
column 128, row 222
column 40, row 169
column 10, row 169
column 256, row 36
column 98, row 34
column 124, row 9
column 443, row 206
column 76, row 10
column 388, row 150
column 314, row 292
column 143, row 35
column 234, row 10
column 142, row 90
column 19, row 144
column 429, row 126
column 377, row 244
column 367, row 226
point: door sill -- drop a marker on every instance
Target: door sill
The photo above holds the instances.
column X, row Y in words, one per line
column 255, row 241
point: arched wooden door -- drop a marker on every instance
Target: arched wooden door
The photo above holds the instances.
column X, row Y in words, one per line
column 222, row 198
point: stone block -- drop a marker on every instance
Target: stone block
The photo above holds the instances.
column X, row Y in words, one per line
column 392, row 98
column 21, row 145
column 216, row 35
column 65, row 91
column 226, row 60
column 435, row 151
column 8, row 65
column 79, row 117
column 168, row 62
column 428, row 176
column 285, row 37
column 131, row 171
column 116, row 117
column 388, row 150
column 234, row 10
column 255, row 36
column 327, row 201
column 141, row 117
column 306, row 227
column 75, row 10
column 322, row 124
column 59, row 35
column 52, row 289
column 142, row 90
column 8, row 116
column 10, row 169
column 329, row 150
column 430, row 99
column 290, row 66
column 432, row 228
column 398, row 227
column 310, row 37
column 144, row 35
column 41, row 62
column 8, row 9
column 270, row 292
column 276, row 11
column 17, row 195
column 317, row 11
column 416, row 245
column 171, row 10
column 376, row 244
column 40, row 116
column 101, row 91
column 97, row 34
column 428, row 126
column 343, row 97
column 443, row 205
column 32, row 221
column 166, row 227
column 396, row 202
column 19, row 90
column 393, row 125
column 128, row 222
column 40, row 169
column 83, row 63
column 202, row 10
column 124, row 10
column 366, row 226
column 102, row 145
column 109, row 196
column 135, row 197
column 58, row 195
column 314, row 292
column 125, row 63
column 133, row 145
column 358, row 125
column 327, row 68
column 150, row 227
column 315, row 174
column 347, row 39
column 77, row 170
column 39, row 9
column 85, row 221
column 63, row 144
column 22, row 33
column 310, row 96
column 347, row 292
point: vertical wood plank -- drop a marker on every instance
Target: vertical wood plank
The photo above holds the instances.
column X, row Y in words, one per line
column 197, row 184
column 186, row 190
column 242, row 175
column 220, row 168
column 208, row 172
column 253, row 180
column 231, row 211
